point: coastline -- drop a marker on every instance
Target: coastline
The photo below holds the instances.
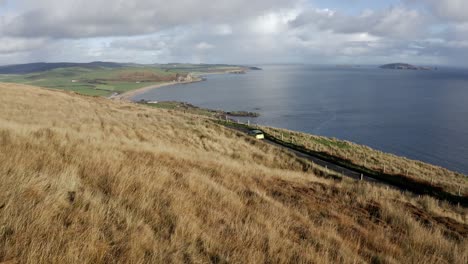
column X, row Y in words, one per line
column 127, row 96
column 197, row 77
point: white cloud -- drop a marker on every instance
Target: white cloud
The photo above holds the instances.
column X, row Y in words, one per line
column 16, row 45
column 148, row 43
column 97, row 18
column 396, row 22
column 453, row 10
column 231, row 31
column 273, row 22
column 222, row 30
column 204, row 46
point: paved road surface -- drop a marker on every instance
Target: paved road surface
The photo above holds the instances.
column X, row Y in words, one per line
column 418, row 188
column 326, row 164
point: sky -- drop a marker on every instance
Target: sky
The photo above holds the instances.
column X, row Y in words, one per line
column 426, row 32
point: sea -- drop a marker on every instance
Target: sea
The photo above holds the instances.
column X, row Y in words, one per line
column 421, row 115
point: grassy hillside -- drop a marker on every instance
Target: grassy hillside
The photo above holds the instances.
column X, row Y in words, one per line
column 44, row 66
column 89, row 180
column 104, row 81
column 452, row 182
column 399, row 168
column 96, row 82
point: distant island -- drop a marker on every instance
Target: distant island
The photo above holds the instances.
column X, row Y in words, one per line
column 404, row 66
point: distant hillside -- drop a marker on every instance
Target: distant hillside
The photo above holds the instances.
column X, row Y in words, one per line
column 106, row 78
column 402, row 66
column 44, row 66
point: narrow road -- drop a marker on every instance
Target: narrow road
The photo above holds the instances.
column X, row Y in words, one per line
column 326, row 164
column 398, row 182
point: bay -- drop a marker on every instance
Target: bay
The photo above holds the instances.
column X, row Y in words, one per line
column 421, row 115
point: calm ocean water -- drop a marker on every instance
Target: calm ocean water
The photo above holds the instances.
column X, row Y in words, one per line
column 421, row 115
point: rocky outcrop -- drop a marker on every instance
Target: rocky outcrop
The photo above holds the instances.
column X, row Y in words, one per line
column 185, row 78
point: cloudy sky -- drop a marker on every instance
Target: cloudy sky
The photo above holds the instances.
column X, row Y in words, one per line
column 235, row 31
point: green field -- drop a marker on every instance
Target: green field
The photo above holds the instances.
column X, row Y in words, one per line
column 95, row 82
column 189, row 108
column 106, row 81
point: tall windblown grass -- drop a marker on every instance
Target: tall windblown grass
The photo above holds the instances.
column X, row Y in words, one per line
column 377, row 160
column 88, row 180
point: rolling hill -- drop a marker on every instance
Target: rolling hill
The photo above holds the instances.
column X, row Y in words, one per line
column 43, row 66
column 105, row 78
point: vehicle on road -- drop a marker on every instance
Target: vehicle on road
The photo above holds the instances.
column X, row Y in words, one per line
column 258, row 134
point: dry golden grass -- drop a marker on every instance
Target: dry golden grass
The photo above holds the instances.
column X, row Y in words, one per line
column 376, row 160
column 89, row 180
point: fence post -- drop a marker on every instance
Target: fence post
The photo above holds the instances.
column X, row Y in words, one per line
column 248, row 122
column 362, row 177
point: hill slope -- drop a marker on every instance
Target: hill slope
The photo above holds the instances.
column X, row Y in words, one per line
column 105, row 78
column 44, row 66
column 89, row 180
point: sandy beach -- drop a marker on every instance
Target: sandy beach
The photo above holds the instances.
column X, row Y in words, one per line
column 198, row 77
column 127, row 96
